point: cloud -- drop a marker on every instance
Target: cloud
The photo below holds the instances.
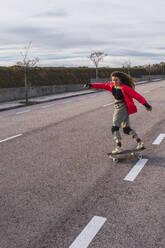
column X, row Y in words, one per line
column 137, row 53
column 71, row 30
column 52, row 38
column 161, row 48
column 57, row 13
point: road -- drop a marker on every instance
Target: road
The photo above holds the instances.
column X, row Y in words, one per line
column 56, row 181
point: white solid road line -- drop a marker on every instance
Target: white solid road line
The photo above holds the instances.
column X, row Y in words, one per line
column 88, row 233
column 22, row 112
column 135, row 170
column 10, row 138
column 50, row 105
column 66, row 102
column 159, row 139
column 108, row 104
column 53, row 104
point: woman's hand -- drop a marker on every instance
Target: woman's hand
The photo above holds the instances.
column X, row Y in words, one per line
column 148, row 106
column 87, row 86
column 149, row 109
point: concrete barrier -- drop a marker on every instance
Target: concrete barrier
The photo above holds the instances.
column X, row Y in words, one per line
column 11, row 94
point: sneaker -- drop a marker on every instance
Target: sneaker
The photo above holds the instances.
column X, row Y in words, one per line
column 117, row 150
column 140, row 146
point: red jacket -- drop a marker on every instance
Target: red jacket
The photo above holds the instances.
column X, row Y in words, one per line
column 128, row 94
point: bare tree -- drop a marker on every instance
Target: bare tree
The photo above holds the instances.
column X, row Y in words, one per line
column 162, row 64
column 149, row 69
column 96, row 57
column 127, row 65
column 27, row 63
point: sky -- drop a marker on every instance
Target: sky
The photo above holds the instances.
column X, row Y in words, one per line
column 66, row 32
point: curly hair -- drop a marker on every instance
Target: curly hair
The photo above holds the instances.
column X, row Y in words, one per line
column 124, row 78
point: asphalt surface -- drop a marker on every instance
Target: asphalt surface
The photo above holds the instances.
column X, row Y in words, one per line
column 55, row 175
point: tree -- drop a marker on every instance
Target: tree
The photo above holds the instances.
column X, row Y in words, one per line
column 162, row 64
column 27, row 63
column 148, row 69
column 96, row 57
column 127, row 65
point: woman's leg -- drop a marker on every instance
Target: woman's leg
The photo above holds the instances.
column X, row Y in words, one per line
column 128, row 130
column 118, row 116
column 140, row 143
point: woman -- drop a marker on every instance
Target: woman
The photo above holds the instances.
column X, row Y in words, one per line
column 122, row 88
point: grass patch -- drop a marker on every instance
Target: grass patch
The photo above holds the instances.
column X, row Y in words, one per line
column 29, row 102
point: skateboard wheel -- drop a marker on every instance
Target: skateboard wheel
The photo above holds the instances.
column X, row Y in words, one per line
column 140, row 157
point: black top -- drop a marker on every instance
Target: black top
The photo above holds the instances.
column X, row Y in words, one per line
column 117, row 93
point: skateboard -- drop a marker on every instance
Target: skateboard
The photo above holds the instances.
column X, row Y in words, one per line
column 116, row 157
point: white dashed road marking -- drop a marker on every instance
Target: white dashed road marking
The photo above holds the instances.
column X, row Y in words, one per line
column 159, row 139
column 88, row 233
column 135, row 170
column 108, row 104
column 9, row 138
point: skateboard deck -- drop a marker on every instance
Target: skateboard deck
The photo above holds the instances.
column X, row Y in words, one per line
column 126, row 154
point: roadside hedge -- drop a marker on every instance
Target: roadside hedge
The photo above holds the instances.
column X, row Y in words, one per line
column 11, row 77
